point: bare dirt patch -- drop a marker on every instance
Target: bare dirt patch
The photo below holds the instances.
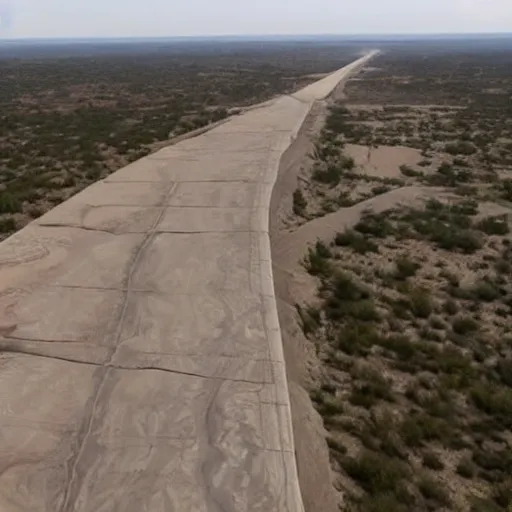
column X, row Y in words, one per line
column 383, row 161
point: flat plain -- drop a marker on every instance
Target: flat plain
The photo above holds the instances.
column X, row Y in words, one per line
column 70, row 114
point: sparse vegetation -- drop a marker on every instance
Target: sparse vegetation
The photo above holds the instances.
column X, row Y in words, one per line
column 299, row 203
column 70, row 115
column 413, row 337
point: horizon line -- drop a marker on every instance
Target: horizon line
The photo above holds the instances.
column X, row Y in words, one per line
column 257, row 36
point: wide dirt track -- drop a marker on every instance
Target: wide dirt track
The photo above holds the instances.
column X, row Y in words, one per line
column 141, row 363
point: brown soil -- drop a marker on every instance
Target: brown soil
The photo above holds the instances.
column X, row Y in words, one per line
column 382, row 161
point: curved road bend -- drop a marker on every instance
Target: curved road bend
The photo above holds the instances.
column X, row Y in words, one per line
column 141, row 366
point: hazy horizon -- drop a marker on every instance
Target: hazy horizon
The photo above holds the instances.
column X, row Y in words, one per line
column 270, row 37
column 105, row 19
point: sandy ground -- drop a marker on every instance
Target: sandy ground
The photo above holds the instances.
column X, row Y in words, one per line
column 383, row 161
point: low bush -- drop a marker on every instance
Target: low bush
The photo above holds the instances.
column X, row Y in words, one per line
column 502, row 494
column 357, row 338
column 450, row 307
column 466, row 467
column 299, row 203
column 432, row 461
column 486, row 291
column 494, row 400
column 310, row 318
column 494, row 225
column 420, row 428
column 464, row 325
column 420, row 303
column 370, row 387
column 460, row 148
column 376, row 473
column 400, row 344
column 329, row 174
column 433, row 490
column 464, row 240
column 374, row 225
column 317, row 261
column 405, row 267
column 7, row 225
column 382, row 502
column 336, row 446
column 357, row 242
column 9, row 203
column 409, row 171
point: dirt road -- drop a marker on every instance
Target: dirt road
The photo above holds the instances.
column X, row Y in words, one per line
column 141, row 365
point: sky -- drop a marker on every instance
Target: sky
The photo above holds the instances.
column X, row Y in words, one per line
column 161, row 18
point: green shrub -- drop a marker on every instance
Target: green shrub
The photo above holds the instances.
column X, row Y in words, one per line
column 328, row 175
column 9, row 203
column 437, row 323
column 405, row 267
column 430, row 335
column 465, row 208
column 418, row 429
column 356, row 241
column 484, row 505
column 504, row 370
column 347, row 162
column 310, row 318
column 344, row 288
column 323, row 250
column 400, row 344
column 317, row 261
column 364, row 311
column 503, row 267
column 494, row 225
column 433, row 490
column 357, row 338
column 502, row 494
column 299, row 203
column 336, row 446
column 453, row 239
column 409, row 171
column 330, row 406
column 374, row 225
column 453, row 279
column 460, row 162
column 376, row 473
column 464, row 325
column 486, row 291
column 460, row 148
column 494, row 400
column 420, row 303
column 499, row 460
column 466, row 468
column 7, row 225
column 450, row 307
column 432, row 461
column 380, row 189
column 382, row 502
column 370, row 388
column 506, row 186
